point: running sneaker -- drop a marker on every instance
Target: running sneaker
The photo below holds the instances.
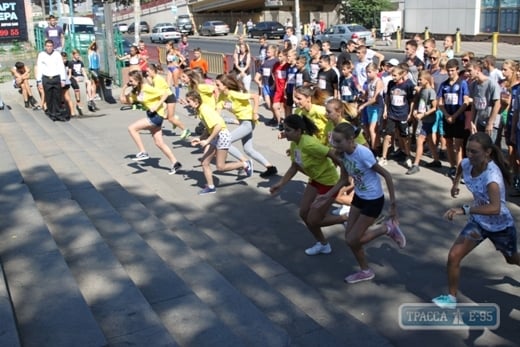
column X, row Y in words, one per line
column 452, row 171
column 413, row 170
column 363, row 275
column 344, row 209
column 249, row 168
column 445, row 301
column 185, row 134
column 408, row 162
column 382, row 161
column 319, row 248
column 395, row 233
column 175, row 168
column 207, row 190
column 80, row 110
column 271, row 171
column 141, row 156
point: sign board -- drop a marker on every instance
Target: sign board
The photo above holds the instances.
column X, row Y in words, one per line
column 13, row 23
column 390, row 20
column 174, row 9
column 273, row 3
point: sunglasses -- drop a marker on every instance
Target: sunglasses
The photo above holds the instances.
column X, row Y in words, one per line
column 434, row 58
column 465, row 60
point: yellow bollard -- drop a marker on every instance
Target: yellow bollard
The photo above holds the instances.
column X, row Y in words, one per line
column 457, row 40
column 494, row 44
column 426, row 33
column 398, row 38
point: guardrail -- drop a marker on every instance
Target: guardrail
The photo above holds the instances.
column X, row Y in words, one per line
column 218, row 63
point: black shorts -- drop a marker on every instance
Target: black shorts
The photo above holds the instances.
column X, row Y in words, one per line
column 369, row 208
column 455, row 130
column 392, row 124
column 171, row 99
column 74, row 83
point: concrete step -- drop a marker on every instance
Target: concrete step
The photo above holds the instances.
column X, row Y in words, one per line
column 41, row 287
column 307, row 316
column 229, row 304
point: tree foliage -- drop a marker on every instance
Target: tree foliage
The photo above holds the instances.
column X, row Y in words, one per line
column 364, row 12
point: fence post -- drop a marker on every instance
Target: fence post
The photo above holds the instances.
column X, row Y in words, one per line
column 398, row 38
column 457, row 41
column 494, row 44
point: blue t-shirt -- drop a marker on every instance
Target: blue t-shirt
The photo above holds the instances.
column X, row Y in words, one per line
column 348, row 89
column 400, row 96
column 453, row 95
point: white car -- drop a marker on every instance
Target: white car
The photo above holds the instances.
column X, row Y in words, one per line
column 122, row 27
column 165, row 34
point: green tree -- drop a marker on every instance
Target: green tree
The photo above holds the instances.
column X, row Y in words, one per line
column 364, row 12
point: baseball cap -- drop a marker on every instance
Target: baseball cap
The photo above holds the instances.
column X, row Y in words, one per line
column 393, row 62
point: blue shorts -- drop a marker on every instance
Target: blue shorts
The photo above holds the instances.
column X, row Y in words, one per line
column 369, row 208
column 371, row 115
column 438, row 126
column 504, row 241
column 426, row 129
column 267, row 91
column 154, row 118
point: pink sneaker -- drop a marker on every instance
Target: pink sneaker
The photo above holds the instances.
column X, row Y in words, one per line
column 363, row 275
column 395, row 233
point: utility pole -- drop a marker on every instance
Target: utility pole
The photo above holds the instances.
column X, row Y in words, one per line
column 137, row 19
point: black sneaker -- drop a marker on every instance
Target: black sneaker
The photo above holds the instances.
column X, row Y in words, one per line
column 435, row 163
column 271, row 171
column 33, row 101
column 27, row 105
column 90, row 106
column 175, row 168
column 80, row 110
column 1, row 107
column 451, row 172
column 272, row 122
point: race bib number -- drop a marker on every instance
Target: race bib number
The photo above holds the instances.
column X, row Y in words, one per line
column 298, row 157
column 266, row 72
column 322, row 83
column 299, row 79
column 421, row 108
column 346, row 91
column 397, row 100
column 281, row 74
column 480, row 103
column 451, row 99
column 291, row 78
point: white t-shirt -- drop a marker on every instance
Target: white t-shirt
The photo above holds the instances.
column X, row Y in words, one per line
column 478, row 187
column 367, row 184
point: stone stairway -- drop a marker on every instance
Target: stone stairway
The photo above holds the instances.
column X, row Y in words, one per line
column 96, row 251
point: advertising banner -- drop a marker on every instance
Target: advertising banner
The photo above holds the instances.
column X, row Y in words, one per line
column 13, row 23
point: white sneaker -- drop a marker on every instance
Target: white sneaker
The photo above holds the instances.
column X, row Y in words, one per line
column 408, row 163
column 344, row 209
column 318, row 248
column 382, row 161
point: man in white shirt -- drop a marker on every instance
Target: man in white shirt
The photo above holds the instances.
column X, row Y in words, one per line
column 289, row 35
column 50, row 72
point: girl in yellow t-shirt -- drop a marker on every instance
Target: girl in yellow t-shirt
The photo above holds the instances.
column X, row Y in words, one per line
column 152, row 100
column 159, row 82
column 315, row 160
column 193, row 79
column 217, row 139
column 307, row 106
column 234, row 98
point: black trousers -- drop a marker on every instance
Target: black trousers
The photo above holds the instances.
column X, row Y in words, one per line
column 53, row 95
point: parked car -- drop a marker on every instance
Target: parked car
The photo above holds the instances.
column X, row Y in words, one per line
column 214, row 27
column 164, row 34
column 267, row 29
column 185, row 25
column 144, row 27
column 340, row 34
column 122, row 27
